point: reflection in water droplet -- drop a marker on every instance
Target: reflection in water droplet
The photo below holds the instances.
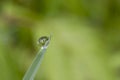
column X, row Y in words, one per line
column 44, row 41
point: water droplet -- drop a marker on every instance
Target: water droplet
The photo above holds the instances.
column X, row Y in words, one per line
column 44, row 41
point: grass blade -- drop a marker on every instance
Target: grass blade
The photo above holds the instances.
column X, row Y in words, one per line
column 31, row 72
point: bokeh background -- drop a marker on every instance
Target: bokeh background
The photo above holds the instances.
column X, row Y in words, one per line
column 85, row 41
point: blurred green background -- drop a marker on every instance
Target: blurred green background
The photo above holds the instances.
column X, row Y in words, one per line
column 85, row 41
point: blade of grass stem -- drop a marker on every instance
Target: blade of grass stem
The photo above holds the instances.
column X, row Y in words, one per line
column 31, row 72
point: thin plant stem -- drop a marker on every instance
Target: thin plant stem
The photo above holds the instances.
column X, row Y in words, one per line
column 31, row 72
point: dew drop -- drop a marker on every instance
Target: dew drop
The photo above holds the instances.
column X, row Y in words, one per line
column 44, row 41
